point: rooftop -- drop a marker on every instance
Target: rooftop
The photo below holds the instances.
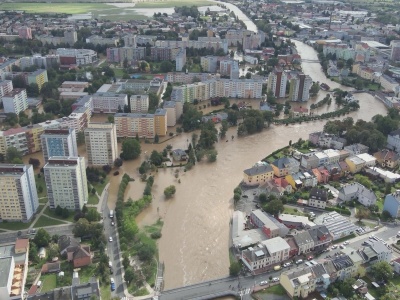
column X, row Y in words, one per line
column 5, row 267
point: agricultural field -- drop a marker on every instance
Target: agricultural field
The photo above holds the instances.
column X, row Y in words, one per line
column 66, row 8
column 173, row 3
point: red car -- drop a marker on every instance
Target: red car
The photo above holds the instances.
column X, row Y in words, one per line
column 310, row 257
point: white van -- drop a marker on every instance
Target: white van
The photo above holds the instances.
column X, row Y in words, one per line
column 110, row 264
column 39, row 283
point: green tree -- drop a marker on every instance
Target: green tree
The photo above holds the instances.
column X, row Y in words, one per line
column 346, row 287
column 169, row 191
column 382, row 271
column 191, row 118
column 234, row 268
column 262, row 197
column 118, row 162
column 208, row 135
column 223, row 129
column 12, row 154
column 129, row 275
column 166, row 66
column 130, row 149
column 42, row 238
column 314, row 89
column 81, row 228
column 92, row 215
column 274, row 207
column 362, row 213
column 156, row 158
column 212, row 155
column 146, row 252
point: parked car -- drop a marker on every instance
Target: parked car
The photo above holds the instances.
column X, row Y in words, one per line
column 300, row 261
column 342, row 247
column 334, row 247
column 264, row 282
column 112, row 223
column 285, row 265
column 245, row 196
column 346, row 243
column 310, row 257
column 112, row 284
column 110, row 239
column 275, row 279
column 116, row 173
column 277, row 268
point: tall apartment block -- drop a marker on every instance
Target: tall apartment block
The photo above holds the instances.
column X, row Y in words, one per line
column 300, row 88
column 277, row 81
column 209, row 63
column 59, row 142
column 70, row 37
column 395, row 53
column 139, row 103
column 18, row 198
column 66, row 182
column 101, row 144
column 39, row 77
column 25, row 33
column 180, row 60
column 109, row 102
column 6, row 87
column 15, row 101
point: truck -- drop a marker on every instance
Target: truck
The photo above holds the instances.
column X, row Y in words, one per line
column 111, row 214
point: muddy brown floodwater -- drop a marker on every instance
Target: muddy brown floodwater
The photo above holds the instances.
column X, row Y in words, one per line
column 195, row 236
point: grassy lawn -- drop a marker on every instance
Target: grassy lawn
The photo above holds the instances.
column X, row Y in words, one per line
column 40, row 182
column 51, row 213
column 118, row 72
column 275, row 290
column 155, row 228
column 43, row 200
column 93, row 199
column 48, row 282
column 105, row 291
column 173, row 3
column 15, row 225
column 100, row 186
column 291, row 211
column 76, row 8
column 45, row 221
column 87, row 272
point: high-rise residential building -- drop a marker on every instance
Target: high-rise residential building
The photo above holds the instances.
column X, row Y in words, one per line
column 180, row 60
column 395, row 54
column 59, row 142
column 139, row 103
column 15, row 101
column 130, row 125
column 39, row 77
column 277, row 81
column 229, row 67
column 171, row 108
column 160, row 122
column 6, row 87
column 70, row 37
column 66, row 182
column 209, row 63
column 25, row 33
column 18, row 198
column 300, row 87
column 101, row 144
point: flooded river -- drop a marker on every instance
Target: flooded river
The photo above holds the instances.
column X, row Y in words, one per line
column 195, row 237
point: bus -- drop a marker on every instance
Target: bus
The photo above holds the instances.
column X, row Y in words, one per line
column 111, row 214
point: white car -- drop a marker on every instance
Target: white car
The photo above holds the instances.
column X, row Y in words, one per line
column 110, row 239
column 275, row 279
column 342, row 247
column 264, row 282
column 285, row 265
column 334, row 247
column 345, row 243
column 112, row 223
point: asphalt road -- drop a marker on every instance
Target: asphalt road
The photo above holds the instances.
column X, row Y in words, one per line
column 243, row 286
column 113, row 249
column 10, row 237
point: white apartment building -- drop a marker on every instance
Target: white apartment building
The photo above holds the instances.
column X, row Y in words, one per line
column 109, row 102
column 101, row 144
column 300, row 88
column 15, row 101
column 180, row 60
column 277, row 81
column 6, row 87
column 18, row 198
column 266, row 253
column 66, row 182
column 59, row 142
column 76, row 56
column 139, row 103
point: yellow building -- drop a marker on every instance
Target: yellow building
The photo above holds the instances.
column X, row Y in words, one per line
column 39, row 77
column 290, row 180
column 355, row 164
column 160, row 122
column 33, row 133
column 18, row 200
column 298, row 282
column 258, row 174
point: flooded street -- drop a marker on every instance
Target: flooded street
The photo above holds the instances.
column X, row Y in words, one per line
column 195, row 237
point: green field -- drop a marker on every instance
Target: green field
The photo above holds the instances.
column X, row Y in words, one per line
column 76, row 8
column 173, row 3
column 45, row 221
column 99, row 10
column 49, row 282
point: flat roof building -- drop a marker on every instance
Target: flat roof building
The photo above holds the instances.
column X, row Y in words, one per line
column 101, row 144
